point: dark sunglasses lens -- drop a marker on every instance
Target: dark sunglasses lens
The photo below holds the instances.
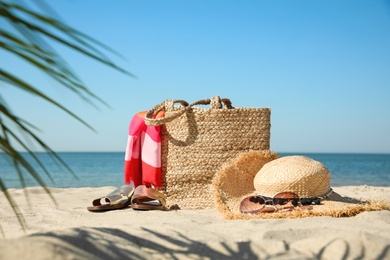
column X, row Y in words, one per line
column 252, row 205
column 286, row 197
column 257, row 199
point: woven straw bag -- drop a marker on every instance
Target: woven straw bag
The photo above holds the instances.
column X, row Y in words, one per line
column 196, row 141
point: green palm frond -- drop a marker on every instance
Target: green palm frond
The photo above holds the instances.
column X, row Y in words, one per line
column 27, row 40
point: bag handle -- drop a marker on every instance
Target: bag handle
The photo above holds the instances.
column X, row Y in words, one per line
column 149, row 117
column 215, row 103
column 218, row 103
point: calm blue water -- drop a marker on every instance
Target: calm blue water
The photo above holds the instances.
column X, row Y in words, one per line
column 106, row 169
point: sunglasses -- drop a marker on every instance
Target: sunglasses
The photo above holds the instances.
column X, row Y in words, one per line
column 285, row 201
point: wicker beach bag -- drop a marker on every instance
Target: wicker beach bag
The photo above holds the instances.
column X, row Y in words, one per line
column 196, row 141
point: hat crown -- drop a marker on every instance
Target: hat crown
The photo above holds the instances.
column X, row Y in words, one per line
column 299, row 174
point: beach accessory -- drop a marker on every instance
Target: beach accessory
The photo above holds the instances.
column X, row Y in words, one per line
column 196, row 141
column 143, row 153
column 256, row 204
column 243, row 192
column 145, row 198
column 117, row 199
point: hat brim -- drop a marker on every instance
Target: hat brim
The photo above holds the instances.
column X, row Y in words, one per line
column 234, row 181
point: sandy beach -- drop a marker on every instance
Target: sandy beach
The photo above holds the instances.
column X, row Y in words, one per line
column 68, row 231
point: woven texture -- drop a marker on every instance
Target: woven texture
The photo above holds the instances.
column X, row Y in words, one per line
column 234, row 179
column 197, row 142
column 304, row 176
column 299, row 174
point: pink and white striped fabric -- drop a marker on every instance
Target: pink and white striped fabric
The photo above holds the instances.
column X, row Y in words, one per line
column 143, row 153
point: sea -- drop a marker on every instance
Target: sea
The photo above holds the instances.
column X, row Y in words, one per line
column 99, row 169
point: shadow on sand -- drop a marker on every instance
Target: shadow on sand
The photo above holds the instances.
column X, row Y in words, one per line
column 113, row 243
column 110, row 243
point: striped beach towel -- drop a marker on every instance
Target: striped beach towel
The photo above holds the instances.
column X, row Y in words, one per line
column 143, row 153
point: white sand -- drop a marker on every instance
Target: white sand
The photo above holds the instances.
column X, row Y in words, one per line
column 69, row 231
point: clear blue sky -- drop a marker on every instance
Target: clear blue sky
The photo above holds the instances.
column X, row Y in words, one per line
column 323, row 67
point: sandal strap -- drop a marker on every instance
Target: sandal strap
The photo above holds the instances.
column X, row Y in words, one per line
column 119, row 196
column 144, row 194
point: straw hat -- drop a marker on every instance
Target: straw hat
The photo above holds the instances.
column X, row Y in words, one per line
column 263, row 173
column 299, row 174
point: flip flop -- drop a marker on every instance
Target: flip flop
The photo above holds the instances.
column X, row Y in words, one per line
column 145, row 198
column 117, row 199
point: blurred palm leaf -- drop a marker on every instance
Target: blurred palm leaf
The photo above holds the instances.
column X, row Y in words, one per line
column 28, row 40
